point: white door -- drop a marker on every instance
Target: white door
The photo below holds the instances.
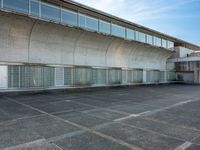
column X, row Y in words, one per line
column 3, row 77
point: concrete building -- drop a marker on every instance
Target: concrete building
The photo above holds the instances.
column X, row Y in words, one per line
column 61, row 43
column 187, row 65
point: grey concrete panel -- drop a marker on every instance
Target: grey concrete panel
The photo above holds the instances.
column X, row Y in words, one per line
column 197, row 140
column 193, row 147
column 133, row 108
column 163, row 128
column 88, row 141
column 36, row 145
column 105, row 114
column 186, row 115
column 80, row 118
column 61, row 106
column 16, row 133
column 11, row 110
column 144, row 139
column 14, row 38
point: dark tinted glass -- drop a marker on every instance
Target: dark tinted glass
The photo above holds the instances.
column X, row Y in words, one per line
column 81, row 20
column 149, row 39
column 50, row 12
column 69, row 17
column 17, row 5
column 130, row 34
column 164, row 43
column 118, row 30
column 104, row 27
column 34, row 8
column 92, row 23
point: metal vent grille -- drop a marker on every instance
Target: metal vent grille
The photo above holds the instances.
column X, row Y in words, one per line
column 30, row 76
column 83, row 76
column 68, row 76
column 48, row 76
column 135, row 76
column 13, row 77
column 114, row 76
column 99, row 76
column 153, row 76
column 59, row 76
column 163, row 77
column 171, row 76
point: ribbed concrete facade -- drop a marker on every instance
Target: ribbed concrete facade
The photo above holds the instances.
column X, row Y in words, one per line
column 25, row 40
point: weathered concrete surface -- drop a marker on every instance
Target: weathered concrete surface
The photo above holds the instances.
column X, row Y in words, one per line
column 26, row 40
column 145, row 117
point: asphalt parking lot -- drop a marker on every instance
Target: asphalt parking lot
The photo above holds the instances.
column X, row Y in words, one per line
column 162, row 117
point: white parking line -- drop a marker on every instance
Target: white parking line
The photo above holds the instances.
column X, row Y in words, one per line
column 184, row 146
column 132, row 115
column 39, row 141
column 154, row 111
column 172, row 106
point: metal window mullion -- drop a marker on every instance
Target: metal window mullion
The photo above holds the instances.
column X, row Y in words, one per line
column 55, row 77
column 2, row 4
column 19, row 71
column 29, row 7
column 40, row 7
column 63, row 69
column 61, row 14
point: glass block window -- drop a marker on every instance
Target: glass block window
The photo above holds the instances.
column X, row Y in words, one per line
column 171, row 76
column 99, row 76
column 135, row 76
column 153, row 76
column 59, row 76
column 114, row 76
column 13, row 77
column 83, row 76
column 48, row 76
column 163, row 77
column 68, row 76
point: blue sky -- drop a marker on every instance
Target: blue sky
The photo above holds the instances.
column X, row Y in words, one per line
column 179, row 18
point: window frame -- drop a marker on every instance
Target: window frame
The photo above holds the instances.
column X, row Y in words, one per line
column 89, row 18
column 51, row 6
column 100, row 26
column 118, row 27
column 64, row 10
column 129, row 33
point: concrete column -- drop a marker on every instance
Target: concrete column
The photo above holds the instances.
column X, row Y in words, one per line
column 124, row 76
column 3, row 77
column 144, row 76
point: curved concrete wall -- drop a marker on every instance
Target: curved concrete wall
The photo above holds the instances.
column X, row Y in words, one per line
column 26, row 40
